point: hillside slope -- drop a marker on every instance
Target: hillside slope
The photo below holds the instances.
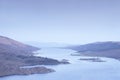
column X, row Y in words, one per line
column 15, row 55
column 8, row 45
column 102, row 49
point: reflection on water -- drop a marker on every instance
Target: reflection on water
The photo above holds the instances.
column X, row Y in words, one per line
column 77, row 70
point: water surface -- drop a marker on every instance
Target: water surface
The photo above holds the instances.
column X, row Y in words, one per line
column 77, row 70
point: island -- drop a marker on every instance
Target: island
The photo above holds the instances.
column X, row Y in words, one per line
column 92, row 59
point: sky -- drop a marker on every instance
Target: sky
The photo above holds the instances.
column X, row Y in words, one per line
column 62, row 21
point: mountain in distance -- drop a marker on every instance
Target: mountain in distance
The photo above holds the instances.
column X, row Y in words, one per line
column 47, row 44
column 101, row 49
column 14, row 56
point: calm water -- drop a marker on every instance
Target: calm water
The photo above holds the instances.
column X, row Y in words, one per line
column 77, row 70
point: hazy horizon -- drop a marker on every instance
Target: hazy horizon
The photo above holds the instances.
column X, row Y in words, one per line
column 61, row 21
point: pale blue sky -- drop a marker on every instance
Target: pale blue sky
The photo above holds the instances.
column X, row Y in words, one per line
column 64, row 21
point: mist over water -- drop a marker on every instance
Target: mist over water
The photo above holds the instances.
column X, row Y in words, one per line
column 64, row 21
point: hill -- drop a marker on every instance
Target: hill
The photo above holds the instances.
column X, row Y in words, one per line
column 15, row 55
column 8, row 45
column 102, row 49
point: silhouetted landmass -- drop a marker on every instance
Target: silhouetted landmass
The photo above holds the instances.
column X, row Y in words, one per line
column 102, row 49
column 14, row 55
